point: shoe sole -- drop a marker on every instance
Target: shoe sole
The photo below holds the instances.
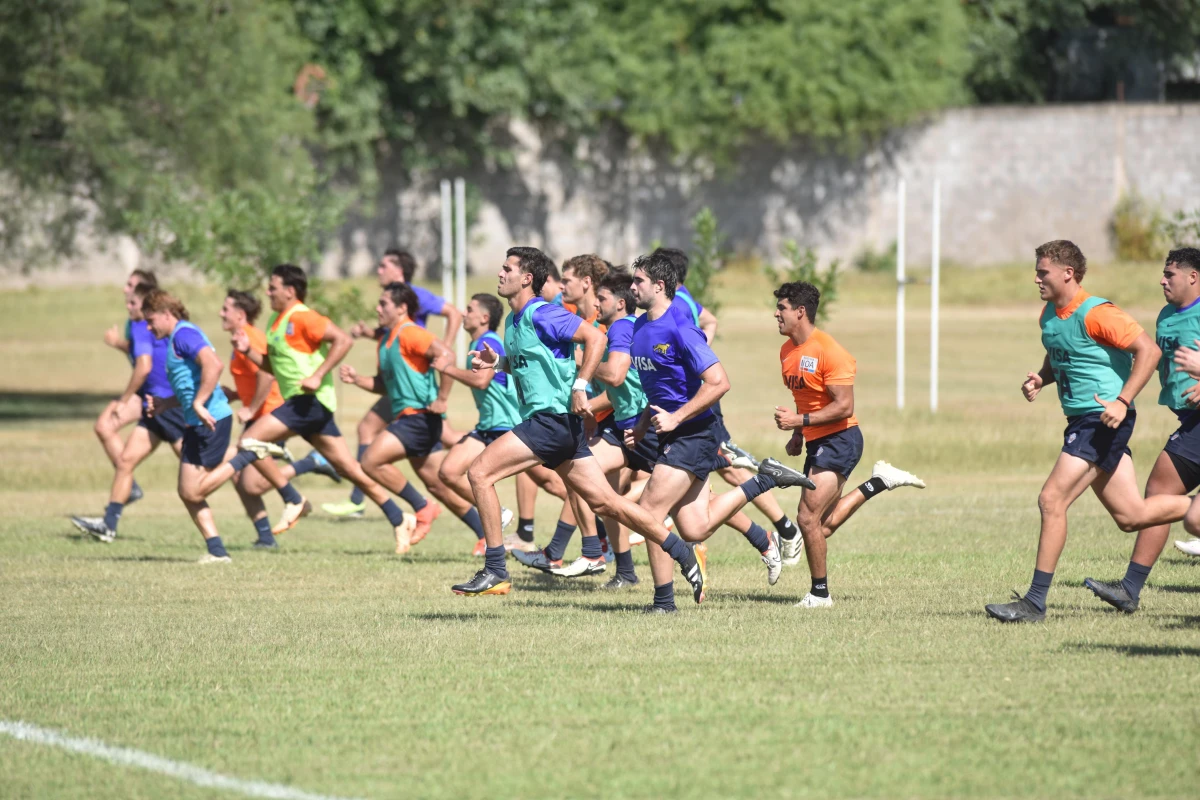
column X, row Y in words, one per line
column 1179, row 547
column 500, row 588
column 1006, row 620
column 304, row 512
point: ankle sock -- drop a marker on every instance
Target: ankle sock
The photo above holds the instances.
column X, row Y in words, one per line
column 757, row 536
column 410, row 495
column 393, row 513
column 525, row 529
column 757, row 485
column 243, row 459
column 307, row 464
column 677, row 548
column 216, row 546
column 472, row 521
column 558, row 544
column 290, row 495
column 1039, row 589
column 872, row 487
column 786, row 528
column 664, row 596
column 112, row 515
column 591, row 547
column 1135, row 579
column 625, row 565
column 263, row 526
column 820, row 587
column 494, row 561
column 357, row 496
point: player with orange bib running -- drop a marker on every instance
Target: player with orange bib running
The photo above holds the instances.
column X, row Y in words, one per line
column 820, row 374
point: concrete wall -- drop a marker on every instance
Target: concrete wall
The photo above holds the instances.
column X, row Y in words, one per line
column 1012, row 177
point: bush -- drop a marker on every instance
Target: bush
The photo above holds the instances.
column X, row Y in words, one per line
column 1138, row 229
column 1183, row 230
column 708, row 252
column 802, row 266
column 871, row 260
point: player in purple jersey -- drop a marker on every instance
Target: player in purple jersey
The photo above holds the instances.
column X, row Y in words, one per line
column 398, row 266
column 682, row 379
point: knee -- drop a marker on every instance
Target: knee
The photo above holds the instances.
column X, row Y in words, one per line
column 366, row 432
column 1191, row 520
column 479, row 476
column 445, row 475
column 191, row 495
column 371, row 467
column 1050, row 503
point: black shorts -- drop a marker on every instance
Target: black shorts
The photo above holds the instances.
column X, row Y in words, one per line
column 1183, row 447
column 168, row 425
column 421, row 434
column 643, row 456
column 553, row 438
column 721, row 431
column 693, row 447
column 1088, row 438
column 205, row 448
column 487, row 437
column 838, row 452
column 382, row 408
column 305, row 416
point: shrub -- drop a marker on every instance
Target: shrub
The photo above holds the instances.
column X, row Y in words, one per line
column 802, row 266
column 1138, row 229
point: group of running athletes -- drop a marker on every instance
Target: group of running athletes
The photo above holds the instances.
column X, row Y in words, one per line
column 602, row 389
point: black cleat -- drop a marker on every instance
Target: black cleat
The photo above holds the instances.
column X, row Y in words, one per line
column 620, row 582
column 784, row 476
column 1114, row 594
column 695, row 570
column 484, row 582
column 1020, row 610
column 323, row 467
column 659, row 610
column 135, row 494
column 261, row 545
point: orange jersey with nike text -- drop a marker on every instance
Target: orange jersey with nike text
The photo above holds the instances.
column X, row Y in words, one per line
column 245, row 374
column 808, row 369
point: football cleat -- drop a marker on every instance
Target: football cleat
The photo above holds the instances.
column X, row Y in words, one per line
column 659, row 610
column 894, row 478
column 403, row 533
column 695, row 570
column 773, row 559
column 790, row 550
column 261, row 545
column 1019, row 610
column 1191, row 548
column 264, row 449
column 94, row 527
column 737, row 457
column 514, row 542
column 346, row 509
column 292, row 513
column 484, row 582
column 480, row 548
column 537, row 560
column 636, row 538
column 1114, row 594
column 812, row 601
column 784, row 476
column 506, row 518
column 209, row 558
column 135, row 493
column 581, row 567
column 424, row 520
column 324, row 467
column 619, row 581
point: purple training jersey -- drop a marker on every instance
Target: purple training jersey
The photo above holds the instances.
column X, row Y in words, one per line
column 143, row 343
column 670, row 358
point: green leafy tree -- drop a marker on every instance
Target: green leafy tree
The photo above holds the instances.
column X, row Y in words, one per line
column 802, row 265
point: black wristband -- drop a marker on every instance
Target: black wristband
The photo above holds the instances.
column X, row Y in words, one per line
column 1123, row 401
column 804, row 421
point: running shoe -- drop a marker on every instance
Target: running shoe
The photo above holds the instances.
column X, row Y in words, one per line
column 537, row 560
column 1114, row 594
column 737, row 457
column 695, row 570
column 506, row 518
column 484, row 582
column 581, row 567
column 514, row 542
column 619, row 581
column 94, row 527
column 264, row 449
column 894, row 478
column 772, row 558
column 135, row 494
column 1020, row 610
column 403, row 533
column 323, row 467
column 346, row 509
column 784, row 476
column 209, row 558
column 424, row 520
column 1191, row 548
column 790, row 550
column 480, row 548
column 812, row 601
column 292, row 513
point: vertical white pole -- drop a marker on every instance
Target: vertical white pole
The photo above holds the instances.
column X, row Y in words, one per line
column 447, row 243
column 900, row 294
column 935, row 277
column 460, row 259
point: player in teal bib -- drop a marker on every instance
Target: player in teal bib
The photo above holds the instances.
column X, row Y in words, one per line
column 1177, row 470
column 1101, row 359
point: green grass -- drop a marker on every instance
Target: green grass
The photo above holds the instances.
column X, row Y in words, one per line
column 338, row 668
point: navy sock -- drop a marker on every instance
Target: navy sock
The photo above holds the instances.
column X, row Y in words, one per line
column 472, row 520
column 410, row 495
column 306, row 464
column 625, row 565
column 757, row 485
column 872, row 487
column 786, row 528
column 664, row 596
column 591, row 547
column 357, row 496
column 216, row 546
column 263, row 526
column 290, row 495
column 600, row 529
column 493, row 559
column 393, row 513
column 134, row 488
column 243, row 459
column 676, row 548
column 1039, row 588
column 525, row 529
column 1135, row 579
column 820, row 587
column 558, row 544
column 757, row 536
column 112, row 515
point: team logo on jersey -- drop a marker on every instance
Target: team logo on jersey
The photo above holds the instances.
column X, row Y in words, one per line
column 291, row 329
column 820, row 450
column 808, row 364
column 1071, row 438
column 643, row 364
column 662, row 349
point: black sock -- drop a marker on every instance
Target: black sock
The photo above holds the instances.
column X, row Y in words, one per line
column 414, row 498
column 664, row 596
column 786, row 528
column 872, row 487
column 1135, row 579
column 1039, row 589
column 525, row 529
column 820, row 587
column 625, row 566
column 263, row 526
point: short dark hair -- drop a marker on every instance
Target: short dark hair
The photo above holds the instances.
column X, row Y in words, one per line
column 293, row 276
column 142, row 290
column 678, row 259
column 403, row 295
column 408, row 264
column 801, row 294
column 1065, row 254
column 534, row 262
column 1185, row 257
column 247, row 302
column 619, row 282
column 146, row 277
column 491, row 304
column 659, row 267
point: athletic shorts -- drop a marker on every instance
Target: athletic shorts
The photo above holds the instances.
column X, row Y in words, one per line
column 721, row 431
column 1183, row 447
column 692, row 447
column 168, row 425
column 838, row 452
column 421, row 434
column 306, row 416
column 382, row 408
column 1088, row 438
column 554, row 438
column 205, row 448
column 487, row 437
column 643, row 456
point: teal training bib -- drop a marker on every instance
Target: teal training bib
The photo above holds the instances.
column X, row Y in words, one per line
column 542, row 380
column 184, row 376
column 407, row 388
column 499, row 409
column 628, row 399
column 1082, row 366
column 1175, row 328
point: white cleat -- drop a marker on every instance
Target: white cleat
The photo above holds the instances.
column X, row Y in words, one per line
column 404, row 534
column 506, row 518
column 636, row 538
column 894, row 478
column 209, row 558
column 772, row 559
column 812, row 601
column 737, row 457
column 791, row 550
column 514, row 542
column 1191, row 548
column 263, row 449
column 292, row 513
column 580, row 567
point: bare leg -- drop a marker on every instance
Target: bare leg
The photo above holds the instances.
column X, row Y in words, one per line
column 815, row 507
column 1164, row 479
column 453, row 470
column 526, row 495
column 428, row 468
column 1119, row 493
column 112, row 419
column 503, row 458
column 336, row 453
column 140, row 445
column 190, row 477
column 765, row 502
column 1067, row 481
column 665, row 490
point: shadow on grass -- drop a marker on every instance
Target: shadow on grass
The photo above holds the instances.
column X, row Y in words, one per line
column 762, row 597
column 1138, row 650
column 448, row 616
column 15, row 406
column 1190, row 622
column 149, row 559
column 624, row 608
column 551, row 584
column 1177, row 588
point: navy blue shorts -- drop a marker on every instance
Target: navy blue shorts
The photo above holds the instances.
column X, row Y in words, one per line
column 554, row 438
column 1183, row 447
column 838, row 452
column 487, row 437
column 722, row 431
column 305, row 416
column 693, row 447
column 205, row 448
column 643, row 456
column 167, row 425
column 1088, row 438
column 382, row 408
column 421, row 434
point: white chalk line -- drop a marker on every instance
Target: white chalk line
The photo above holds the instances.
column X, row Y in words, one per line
column 128, row 757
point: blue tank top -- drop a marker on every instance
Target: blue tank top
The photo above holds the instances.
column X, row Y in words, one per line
column 185, row 378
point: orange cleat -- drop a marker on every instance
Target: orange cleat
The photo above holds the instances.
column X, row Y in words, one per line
column 425, row 518
column 480, row 548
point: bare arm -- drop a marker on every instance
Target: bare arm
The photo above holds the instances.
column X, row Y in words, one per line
column 114, row 338
column 840, row 407
column 263, row 382
column 141, row 370
column 339, row 345
column 708, row 324
column 350, row 375
column 1146, row 355
column 614, row 370
column 454, row 319
column 437, row 353
column 210, row 376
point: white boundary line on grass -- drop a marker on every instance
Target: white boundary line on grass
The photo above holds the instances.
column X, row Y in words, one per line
column 128, row 757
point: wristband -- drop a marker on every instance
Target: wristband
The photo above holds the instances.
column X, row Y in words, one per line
column 804, row 422
column 580, row 385
column 1123, row 401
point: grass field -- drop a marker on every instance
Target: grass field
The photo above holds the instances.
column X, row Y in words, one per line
column 337, row 668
